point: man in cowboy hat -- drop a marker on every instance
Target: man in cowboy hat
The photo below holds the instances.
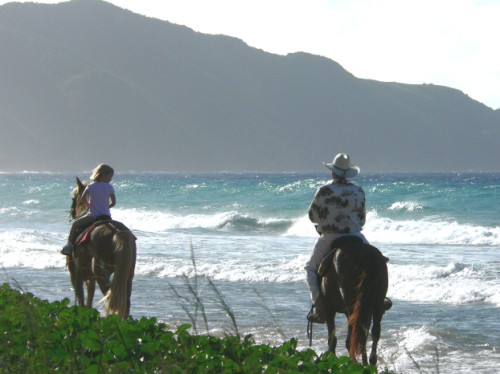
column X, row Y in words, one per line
column 338, row 209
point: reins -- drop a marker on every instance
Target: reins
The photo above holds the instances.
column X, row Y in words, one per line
column 310, row 326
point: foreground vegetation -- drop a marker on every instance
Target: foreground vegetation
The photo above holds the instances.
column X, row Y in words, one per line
column 38, row 336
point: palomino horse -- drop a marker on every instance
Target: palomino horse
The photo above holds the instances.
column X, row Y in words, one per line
column 355, row 282
column 109, row 250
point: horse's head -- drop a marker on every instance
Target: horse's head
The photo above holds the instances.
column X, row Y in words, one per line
column 77, row 207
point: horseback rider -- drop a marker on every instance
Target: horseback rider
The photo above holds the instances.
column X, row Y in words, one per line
column 337, row 210
column 99, row 196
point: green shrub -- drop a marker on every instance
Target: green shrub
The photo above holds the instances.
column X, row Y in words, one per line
column 38, row 336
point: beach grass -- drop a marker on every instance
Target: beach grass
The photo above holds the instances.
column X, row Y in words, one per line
column 42, row 336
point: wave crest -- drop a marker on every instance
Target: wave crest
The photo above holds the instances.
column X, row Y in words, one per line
column 230, row 221
column 430, row 230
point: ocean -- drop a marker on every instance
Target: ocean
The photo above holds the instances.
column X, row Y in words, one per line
column 239, row 242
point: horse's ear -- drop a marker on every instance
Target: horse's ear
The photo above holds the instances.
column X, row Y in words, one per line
column 80, row 185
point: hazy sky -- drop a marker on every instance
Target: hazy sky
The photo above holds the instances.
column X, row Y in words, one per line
column 446, row 42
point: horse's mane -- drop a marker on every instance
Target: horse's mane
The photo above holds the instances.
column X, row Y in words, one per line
column 75, row 196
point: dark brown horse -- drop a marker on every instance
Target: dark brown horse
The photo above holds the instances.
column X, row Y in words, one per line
column 355, row 283
column 109, row 250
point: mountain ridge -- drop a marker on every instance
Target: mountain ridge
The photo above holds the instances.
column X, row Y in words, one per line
column 88, row 82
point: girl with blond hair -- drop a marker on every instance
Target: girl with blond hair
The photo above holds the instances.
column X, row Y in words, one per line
column 99, row 197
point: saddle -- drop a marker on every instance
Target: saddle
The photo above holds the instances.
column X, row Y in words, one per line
column 84, row 236
column 326, row 262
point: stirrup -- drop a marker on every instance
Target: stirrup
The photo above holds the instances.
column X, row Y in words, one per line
column 314, row 317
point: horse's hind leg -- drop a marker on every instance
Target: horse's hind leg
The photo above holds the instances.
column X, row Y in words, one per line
column 104, row 284
column 129, row 292
column 76, row 280
column 377, row 318
column 363, row 343
column 348, row 338
column 364, row 357
column 78, row 285
column 102, row 277
column 90, row 292
column 352, row 353
column 332, row 338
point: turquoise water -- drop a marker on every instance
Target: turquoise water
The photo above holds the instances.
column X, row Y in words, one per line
column 250, row 235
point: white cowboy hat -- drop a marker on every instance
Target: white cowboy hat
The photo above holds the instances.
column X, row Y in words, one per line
column 341, row 166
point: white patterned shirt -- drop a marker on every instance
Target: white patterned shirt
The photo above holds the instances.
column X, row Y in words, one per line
column 338, row 208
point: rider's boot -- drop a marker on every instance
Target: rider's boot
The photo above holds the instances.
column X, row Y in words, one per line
column 387, row 304
column 387, row 301
column 319, row 314
column 67, row 249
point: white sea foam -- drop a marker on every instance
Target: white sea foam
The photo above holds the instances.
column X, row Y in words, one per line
column 234, row 270
column 156, row 221
column 416, row 339
column 31, row 202
column 24, row 248
column 299, row 185
column 409, row 206
column 412, row 345
column 379, row 229
column 451, row 284
column 302, row 227
column 234, row 221
column 9, row 211
column 386, row 230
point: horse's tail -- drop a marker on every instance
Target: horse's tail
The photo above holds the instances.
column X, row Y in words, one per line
column 361, row 316
column 124, row 257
